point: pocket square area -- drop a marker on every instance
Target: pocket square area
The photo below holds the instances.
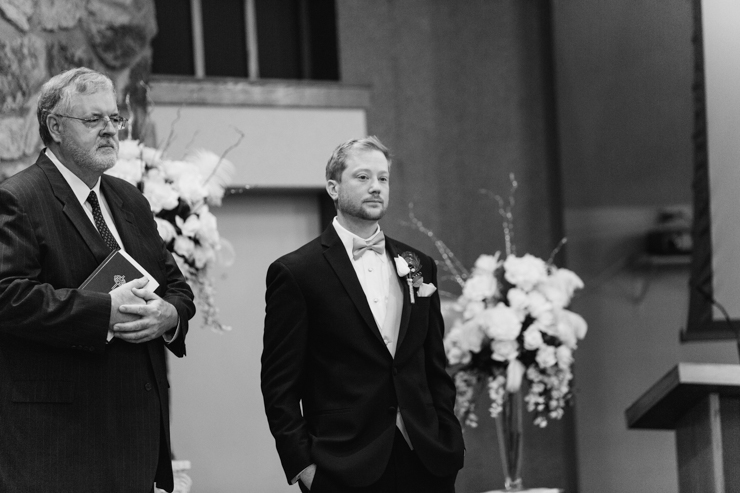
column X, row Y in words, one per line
column 426, row 290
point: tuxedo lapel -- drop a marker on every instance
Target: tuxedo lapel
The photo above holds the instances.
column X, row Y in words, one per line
column 339, row 261
column 393, row 252
column 73, row 210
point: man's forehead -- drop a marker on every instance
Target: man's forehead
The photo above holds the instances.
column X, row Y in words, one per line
column 101, row 100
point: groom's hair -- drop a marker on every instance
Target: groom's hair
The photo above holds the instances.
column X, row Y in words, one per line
column 338, row 160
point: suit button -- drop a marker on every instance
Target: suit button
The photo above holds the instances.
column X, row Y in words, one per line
column 395, row 372
column 148, row 386
column 392, row 410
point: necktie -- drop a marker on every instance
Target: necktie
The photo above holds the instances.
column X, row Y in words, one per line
column 359, row 246
column 92, row 199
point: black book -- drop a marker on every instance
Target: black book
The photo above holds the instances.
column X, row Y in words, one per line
column 118, row 268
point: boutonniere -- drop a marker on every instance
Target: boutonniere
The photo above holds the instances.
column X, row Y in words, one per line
column 408, row 265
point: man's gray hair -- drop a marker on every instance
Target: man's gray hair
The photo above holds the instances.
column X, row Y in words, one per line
column 56, row 94
column 338, row 160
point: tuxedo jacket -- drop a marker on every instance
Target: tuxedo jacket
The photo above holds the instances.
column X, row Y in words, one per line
column 77, row 413
column 331, row 387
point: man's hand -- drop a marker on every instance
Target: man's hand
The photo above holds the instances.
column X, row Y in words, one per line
column 307, row 475
column 152, row 319
column 124, row 295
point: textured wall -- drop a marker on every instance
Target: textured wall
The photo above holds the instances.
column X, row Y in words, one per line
column 40, row 38
column 462, row 94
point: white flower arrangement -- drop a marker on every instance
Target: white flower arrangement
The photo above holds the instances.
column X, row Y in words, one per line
column 513, row 325
column 180, row 194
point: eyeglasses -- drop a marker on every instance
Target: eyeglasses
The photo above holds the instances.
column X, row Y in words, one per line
column 99, row 122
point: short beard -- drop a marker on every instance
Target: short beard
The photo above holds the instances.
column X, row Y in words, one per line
column 86, row 159
column 357, row 211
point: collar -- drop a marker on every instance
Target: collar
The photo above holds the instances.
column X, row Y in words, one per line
column 346, row 236
column 79, row 188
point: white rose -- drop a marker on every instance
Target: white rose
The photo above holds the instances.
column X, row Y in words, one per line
column 184, row 246
column 538, row 304
column 166, row 229
column 570, row 327
column 203, row 255
column 161, row 195
column 500, row 323
column 129, row 149
column 560, row 286
column 487, row 264
column 532, row 338
column 565, row 356
column 473, row 308
column 546, row 356
column 208, row 232
column 130, row 170
column 190, row 226
column 480, row 287
column 524, row 272
column 518, row 301
column 504, row 350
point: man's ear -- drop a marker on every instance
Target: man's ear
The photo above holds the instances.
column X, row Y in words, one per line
column 332, row 188
column 53, row 124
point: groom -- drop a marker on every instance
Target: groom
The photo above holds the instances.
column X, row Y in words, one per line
column 353, row 367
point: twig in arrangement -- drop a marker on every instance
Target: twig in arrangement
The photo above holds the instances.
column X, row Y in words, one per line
column 505, row 211
column 457, row 270
column 223, row 155
column 130, row 115
column 171, row 136
column 556, row 250
column 192, row 139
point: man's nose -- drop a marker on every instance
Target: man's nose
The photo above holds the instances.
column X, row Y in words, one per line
column 110, row 128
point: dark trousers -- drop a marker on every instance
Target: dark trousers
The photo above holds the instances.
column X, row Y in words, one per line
column 404, row 474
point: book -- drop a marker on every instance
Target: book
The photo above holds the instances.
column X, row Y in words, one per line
column 118, row 268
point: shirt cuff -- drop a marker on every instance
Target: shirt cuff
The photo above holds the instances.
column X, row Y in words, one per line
column 167, row 338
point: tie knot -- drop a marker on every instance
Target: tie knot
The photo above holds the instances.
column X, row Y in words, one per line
column 93, row 199
column 376, row 244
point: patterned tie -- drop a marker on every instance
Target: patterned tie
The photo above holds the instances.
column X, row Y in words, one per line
column 377, row 244
column 92, row 199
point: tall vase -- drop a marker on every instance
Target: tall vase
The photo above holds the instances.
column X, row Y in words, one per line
column 510, row 434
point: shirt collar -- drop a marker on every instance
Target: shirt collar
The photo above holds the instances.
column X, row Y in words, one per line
column 79, row 188
column 346, row 236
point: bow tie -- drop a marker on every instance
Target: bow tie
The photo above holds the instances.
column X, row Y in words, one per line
column 359, row 246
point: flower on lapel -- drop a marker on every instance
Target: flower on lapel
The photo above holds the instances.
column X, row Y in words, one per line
column 426, row 290
column 409, row 265
column 402, row 268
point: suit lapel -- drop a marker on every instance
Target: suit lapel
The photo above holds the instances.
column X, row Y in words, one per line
column 123, row 218
column 393, row 252
column 73, row 209
column 339, row 261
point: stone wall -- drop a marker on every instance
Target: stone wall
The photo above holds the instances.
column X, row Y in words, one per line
column 41, row 38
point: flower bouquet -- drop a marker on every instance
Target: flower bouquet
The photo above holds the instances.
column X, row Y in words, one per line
column 180, row 193
column 515, row 326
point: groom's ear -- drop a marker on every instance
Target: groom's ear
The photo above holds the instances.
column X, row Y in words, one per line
column 332, row 188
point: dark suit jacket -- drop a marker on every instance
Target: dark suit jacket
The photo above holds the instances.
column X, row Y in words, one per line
column 323, row 350
column 77, row 414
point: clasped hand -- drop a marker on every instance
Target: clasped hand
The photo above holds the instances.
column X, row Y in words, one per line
column 138, row 315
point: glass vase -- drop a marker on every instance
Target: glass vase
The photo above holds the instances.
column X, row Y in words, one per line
column 509, row 432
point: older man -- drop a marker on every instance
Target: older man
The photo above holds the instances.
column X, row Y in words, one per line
column 353, row 368
column 83, row 380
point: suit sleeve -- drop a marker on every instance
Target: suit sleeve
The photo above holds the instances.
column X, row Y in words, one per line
column 36, row 311
column 283, row 359
column 180, row 296
column 440, row 383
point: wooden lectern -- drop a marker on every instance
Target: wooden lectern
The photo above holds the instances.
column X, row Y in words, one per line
column 702, row 403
